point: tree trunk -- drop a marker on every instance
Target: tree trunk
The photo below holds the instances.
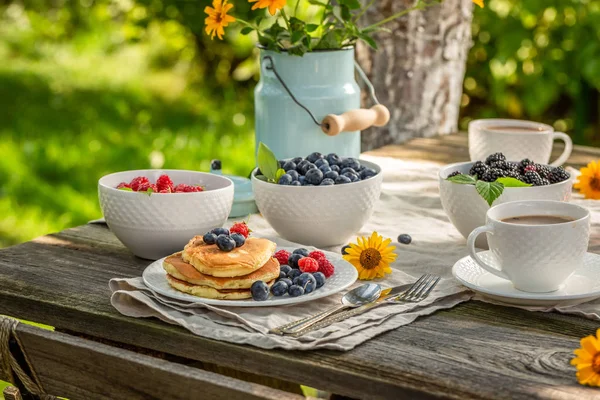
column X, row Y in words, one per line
column 419, row 68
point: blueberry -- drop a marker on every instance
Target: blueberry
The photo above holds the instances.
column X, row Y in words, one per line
column 295, row 183
column 295, row 291
column 293, row 260
column 225, row 243
column 348, row 169
column 325, row 169
column 327, row 182
column 220, row 231
column 279, row 288
column 294, row 273
column 209, row 238
column 308, row 282
column 282, row 275
column 333, row 159
column 344, row 249
column 314, row 157
column 314, row 176
column 296, row 160
column 335, row 168
column 302, row 251
column 294, row 174
column 321, row 162
column 350, row 162
column 281, row 162
column 286, row 280
column 319, row 278
column 215, row 165
column 303, row 167
column 404, row 238
column 260, row 291
column 308, row 184
column 342, row 179
column 289, row 165
column 353, row 177
column 239, row 239
column 331, row 175
column 367, row 173
column 285, row 268
column 285, row 179
column 301, row 179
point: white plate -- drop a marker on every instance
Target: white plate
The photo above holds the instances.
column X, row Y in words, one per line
column 344, row 276
column 582, row 285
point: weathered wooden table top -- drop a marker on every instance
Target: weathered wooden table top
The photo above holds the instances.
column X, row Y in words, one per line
column 474, row 350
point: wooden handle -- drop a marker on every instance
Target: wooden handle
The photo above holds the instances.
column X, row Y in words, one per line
column 356, row 120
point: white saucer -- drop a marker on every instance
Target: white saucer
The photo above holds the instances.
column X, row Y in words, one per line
column 582, row 285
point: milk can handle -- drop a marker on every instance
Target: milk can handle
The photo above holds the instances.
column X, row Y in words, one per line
column 332, row 124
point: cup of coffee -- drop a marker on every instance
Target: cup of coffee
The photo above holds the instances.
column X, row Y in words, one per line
column 534, row 244
column 516, row 139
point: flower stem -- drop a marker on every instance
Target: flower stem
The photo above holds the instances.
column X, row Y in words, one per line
column 420, row 5
column 246, row 23
column 287, row 21
column 364, row 9
column 296, row 8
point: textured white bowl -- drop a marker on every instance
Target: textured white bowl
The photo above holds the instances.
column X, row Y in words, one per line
column 156, row 225
column 466, row 208
column 318, row 216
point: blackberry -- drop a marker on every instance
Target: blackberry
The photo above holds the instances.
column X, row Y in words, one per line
column 492, row 174
column 558, row 174
column 494, row 158
column 545, row 182
column 525, row 162
column 503, row 165
column 513, row 165
column 543, row 170
column 455, row 173
column 479, row 169
column 533, row 178
column 530, row 168
column 513, row 173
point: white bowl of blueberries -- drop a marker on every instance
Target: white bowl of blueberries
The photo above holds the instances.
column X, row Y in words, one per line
column 321, row 200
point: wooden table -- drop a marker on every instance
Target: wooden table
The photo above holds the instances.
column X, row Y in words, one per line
column 474, row 350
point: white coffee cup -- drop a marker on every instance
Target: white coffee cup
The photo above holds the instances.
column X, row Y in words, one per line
column 535, row 257
column 516, row 139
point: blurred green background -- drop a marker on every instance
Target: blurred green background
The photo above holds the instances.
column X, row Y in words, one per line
column 88, row 87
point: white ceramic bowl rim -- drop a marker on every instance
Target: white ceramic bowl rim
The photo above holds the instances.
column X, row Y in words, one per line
column 369, row 164
column 449, row 168
column 546, row 129
column 223, row 182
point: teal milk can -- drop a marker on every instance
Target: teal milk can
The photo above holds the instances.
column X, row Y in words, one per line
column 312, row 103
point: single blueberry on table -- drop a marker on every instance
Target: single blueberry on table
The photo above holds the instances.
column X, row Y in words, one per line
column 225, row 243
column 314, row 156
column 294, row 174
column 350, row 162
column 333, row 159
column 342, row 179
column 347, row 169
column 239, row 239
column 285, row 268
column 289, row 165
column 260, row 291
column 320, row 279
column 327, row 182
column 209, row 238
column 293, row 274
column 302, row 251
column 295, row 291
column 320, row 162
column 220, row 231
column 404, row 238
column 279, row 288
column 314, row 176
column 367, row 173
column 285, row 179
column 293, row 260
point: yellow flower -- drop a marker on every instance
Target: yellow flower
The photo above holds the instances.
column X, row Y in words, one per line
column 273, row 5
column 479, row 3
column 587, row 360
column 371, row 256
column 588, row 182
column 217, row 18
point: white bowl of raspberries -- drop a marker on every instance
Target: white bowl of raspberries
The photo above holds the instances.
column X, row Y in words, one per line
column 321, row 200
column 467, row 209
column 155, row 212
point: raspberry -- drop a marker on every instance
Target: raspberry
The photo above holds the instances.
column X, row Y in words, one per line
column 282, row 256
column 317, row 255
column 145, row 186
column 164, row 183
column 197, row 189
column 326, row 267
column 123, row 185
column 180, row 188
column 308, row 264
column 165, row 191
column 242, row 229
column 137, row 181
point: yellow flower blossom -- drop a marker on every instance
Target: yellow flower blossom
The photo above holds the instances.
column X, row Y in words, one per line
column 217, row 18
column 371, row 256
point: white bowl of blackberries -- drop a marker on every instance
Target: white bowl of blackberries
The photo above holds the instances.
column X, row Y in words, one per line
column 469, row 189
column 319, row 200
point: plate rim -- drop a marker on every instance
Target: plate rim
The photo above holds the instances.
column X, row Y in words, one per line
column 286, row 301
column 524, row 295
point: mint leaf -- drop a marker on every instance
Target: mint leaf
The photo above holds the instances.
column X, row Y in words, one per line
column 311, row 27
column 280, row 172
column 267, row 162
column 512, row 182
column 262, row 178
column 490, row 191
column 462, row 179
column 246, row 30
column 126, row 189
column 149, row 191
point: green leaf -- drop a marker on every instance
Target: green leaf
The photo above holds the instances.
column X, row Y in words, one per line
column 351, row 4
column 280, row 173
column 267, row 162
column 463, row 179
column 262, row 178
column 368, row 40
column 297, row 36
column 512, row 182
column 149, row 191
column 311, row 27
column 126, row 189
column 490, row 191
column 246, row 30
column 331, row 40
column 317, row 3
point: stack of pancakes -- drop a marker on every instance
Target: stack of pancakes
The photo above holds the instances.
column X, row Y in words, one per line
column 205, row 271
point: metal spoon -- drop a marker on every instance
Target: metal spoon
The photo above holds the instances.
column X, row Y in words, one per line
column 358, row 296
